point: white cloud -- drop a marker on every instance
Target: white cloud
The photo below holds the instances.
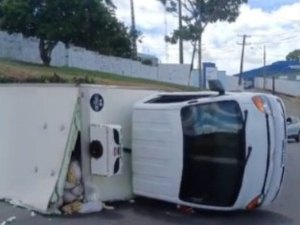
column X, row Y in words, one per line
column 278, row 29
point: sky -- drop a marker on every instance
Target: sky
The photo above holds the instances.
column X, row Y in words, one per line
column 274, row 24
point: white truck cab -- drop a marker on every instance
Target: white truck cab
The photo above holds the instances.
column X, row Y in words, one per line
column 210, row 151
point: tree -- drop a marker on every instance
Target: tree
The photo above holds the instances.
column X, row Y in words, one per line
column 87, row 23
column 102, row 32
column 1, row 13
column 197, row 14
column 294, row 55
column 110, row 3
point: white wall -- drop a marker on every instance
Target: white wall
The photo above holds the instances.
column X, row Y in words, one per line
column 211, row 74
column 26, row 49
column 230, row 83
column 281, row 86
column 17, row 47
column 174, row 73
column 194, row 78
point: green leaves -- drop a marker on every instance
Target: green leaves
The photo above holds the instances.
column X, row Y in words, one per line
column 17, row 17
column 294, row 55
column 198, row 13
column 170, row 5
column 110, row 3
column 86, row 23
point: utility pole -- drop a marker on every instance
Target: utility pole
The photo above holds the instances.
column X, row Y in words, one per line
column 201, row 80
column 264, row 70
column 242, row 58
column 133, row 32
column 201, row 83
column 166, row 33
column 181, row 60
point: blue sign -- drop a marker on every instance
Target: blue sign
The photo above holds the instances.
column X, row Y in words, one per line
column 97, row 102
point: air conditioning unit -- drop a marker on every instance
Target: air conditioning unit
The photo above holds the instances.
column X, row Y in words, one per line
column 105, row 150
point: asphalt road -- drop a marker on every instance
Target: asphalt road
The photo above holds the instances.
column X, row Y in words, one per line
column 285, row 210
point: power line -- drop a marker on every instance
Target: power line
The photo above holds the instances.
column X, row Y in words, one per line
column 287, row 32
column 276, row 41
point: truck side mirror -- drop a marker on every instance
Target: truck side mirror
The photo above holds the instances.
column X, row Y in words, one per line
column 216, row 85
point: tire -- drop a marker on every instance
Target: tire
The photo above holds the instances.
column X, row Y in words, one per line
column 298, row 137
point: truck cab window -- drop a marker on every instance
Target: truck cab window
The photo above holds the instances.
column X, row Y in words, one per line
column 214, row 152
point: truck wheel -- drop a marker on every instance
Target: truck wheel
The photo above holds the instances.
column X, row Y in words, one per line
column 298, row 137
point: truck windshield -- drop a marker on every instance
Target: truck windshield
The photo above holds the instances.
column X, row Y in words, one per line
column 214, row 153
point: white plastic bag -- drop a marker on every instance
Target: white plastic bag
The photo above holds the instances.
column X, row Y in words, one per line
column 78, row 191
column 69, row 197
column 74, row 173
column 91, row 207
column 91, row 192
column 74, row 166
column 69, row 185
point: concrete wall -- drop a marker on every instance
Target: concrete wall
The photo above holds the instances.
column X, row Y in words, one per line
column 230, row 83
column 26, row 49
column 281, row 86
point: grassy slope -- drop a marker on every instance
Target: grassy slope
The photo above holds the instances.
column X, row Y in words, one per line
column 9, row 68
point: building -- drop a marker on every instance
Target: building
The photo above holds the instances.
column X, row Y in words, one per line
column 147, row 59
column 289, row 70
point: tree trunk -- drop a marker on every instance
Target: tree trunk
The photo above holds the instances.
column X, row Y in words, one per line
column 67, row 47
column 192, row 63
column 46, row 48
column 181, row 60
column 201, row 80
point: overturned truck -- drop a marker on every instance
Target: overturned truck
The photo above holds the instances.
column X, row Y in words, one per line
column 64, row 147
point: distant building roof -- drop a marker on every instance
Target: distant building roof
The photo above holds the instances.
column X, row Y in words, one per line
column 147, row 59
column 146, row 56
column 276, row 68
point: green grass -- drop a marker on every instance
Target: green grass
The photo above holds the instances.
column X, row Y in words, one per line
column 21, row 70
